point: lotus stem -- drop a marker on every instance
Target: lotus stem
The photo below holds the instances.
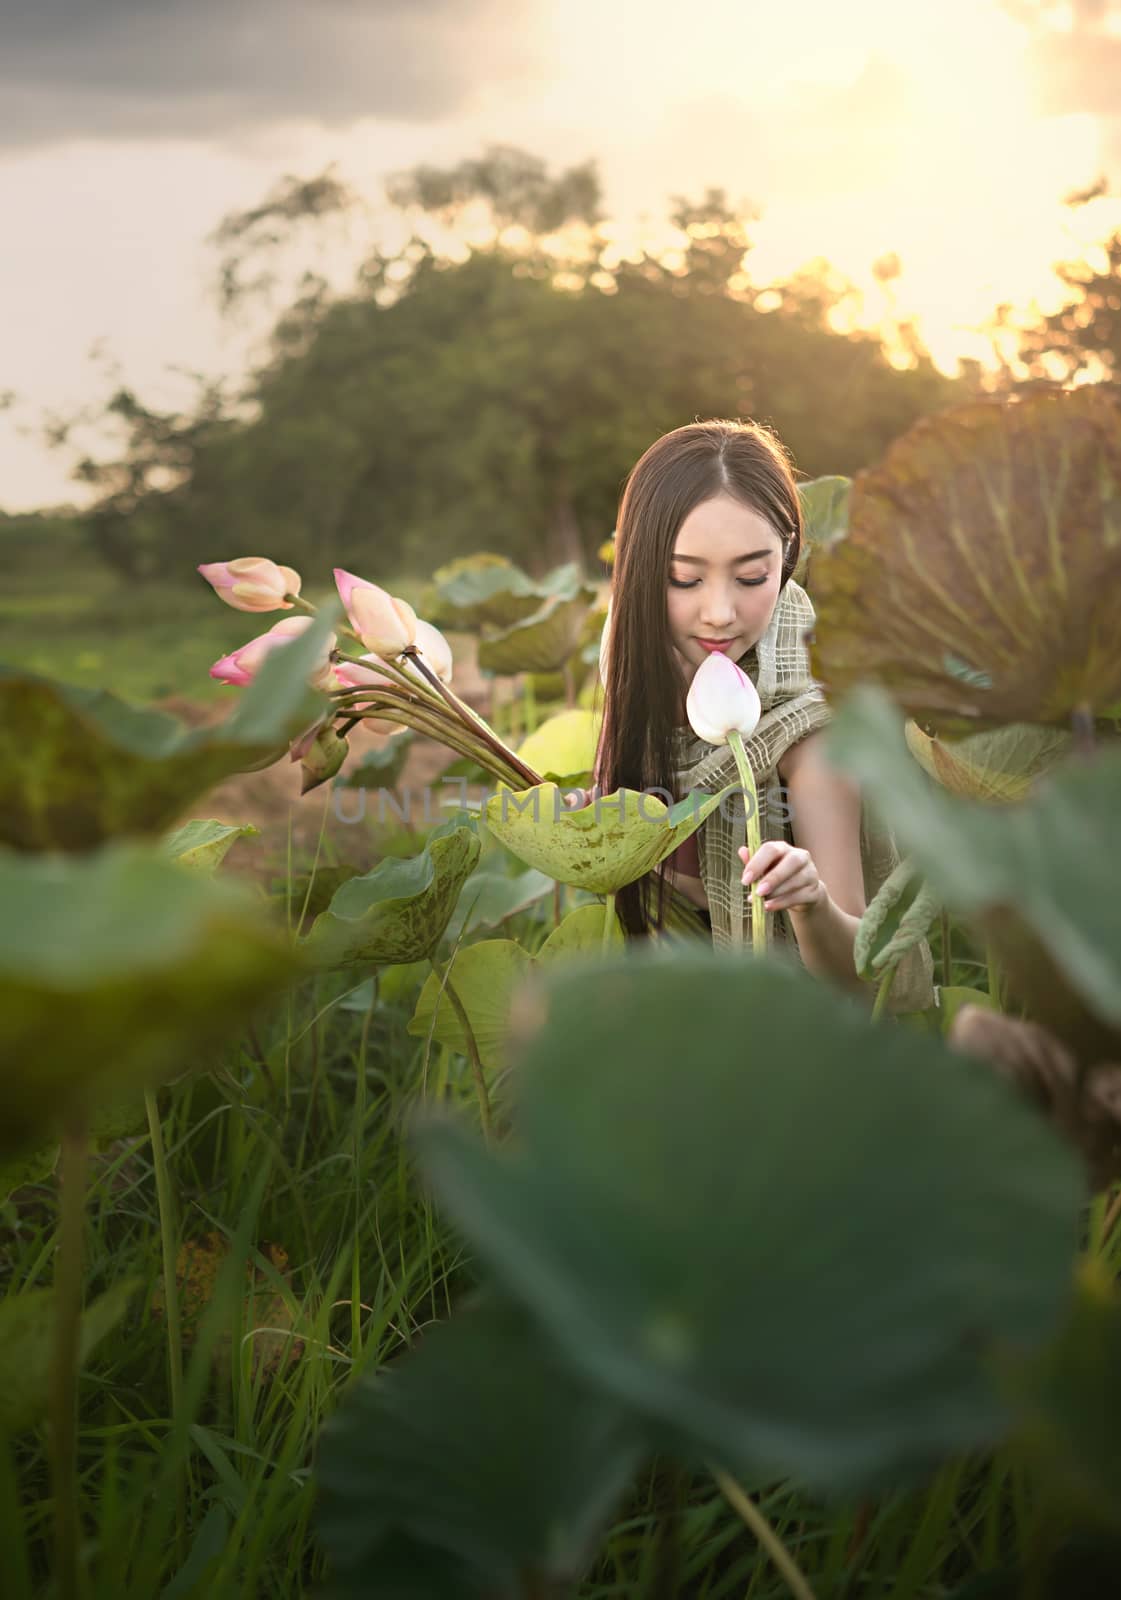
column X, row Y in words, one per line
column 474, row 721
column 64, row 1366
column 769, row 1540
column 883, row 990
column 530, row 700
column 608, row 921
column 473, row 1057
column 747, row 783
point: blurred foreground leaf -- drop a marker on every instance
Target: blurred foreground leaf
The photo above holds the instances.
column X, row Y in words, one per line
column 116, row 969
column 926, row 1214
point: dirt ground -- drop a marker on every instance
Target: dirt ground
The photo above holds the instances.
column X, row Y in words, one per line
column 267, row 798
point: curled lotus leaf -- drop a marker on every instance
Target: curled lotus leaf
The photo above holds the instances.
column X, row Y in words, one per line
column 398, row 911
column 979, row 577
column 201, row 844
column 998, row 764
column 542, row 642
column 602, row 846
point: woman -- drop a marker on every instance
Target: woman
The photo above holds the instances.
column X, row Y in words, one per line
column 709, row 535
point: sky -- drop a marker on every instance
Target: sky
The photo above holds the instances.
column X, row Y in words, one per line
column 948, row 132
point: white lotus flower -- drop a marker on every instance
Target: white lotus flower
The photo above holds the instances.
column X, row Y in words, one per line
column 721, row 698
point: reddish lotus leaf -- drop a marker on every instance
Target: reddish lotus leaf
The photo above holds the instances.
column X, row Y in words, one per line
column 979, row 579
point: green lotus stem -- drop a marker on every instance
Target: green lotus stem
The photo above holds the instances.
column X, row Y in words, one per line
column 947, row 963
column 747, row 784
column 569, row 686
column 472, row 719
column 995, row 975
column 883, row 990
column 388, row 666
column 769, row 1540
column 64, row 1365
column 165, row 1200
column 608, row 921
column 428, row 718
column 473, row 1057
column 530, row 700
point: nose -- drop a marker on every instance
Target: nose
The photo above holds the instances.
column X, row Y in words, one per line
column 718, row 607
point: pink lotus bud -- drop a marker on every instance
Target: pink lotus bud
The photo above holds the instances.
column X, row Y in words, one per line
column 383, row 624
column 721, row 697
column 434, row 649
column 323, row 758
column 242, row 665
column 252, row 583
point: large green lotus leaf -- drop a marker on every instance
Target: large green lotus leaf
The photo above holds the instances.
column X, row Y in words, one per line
column 978, row 581
column 487, row 975
column 490, row 595
column 580, row 933
column 999, row 764
column 825, row 519
column 841, row 1335
column 117, row 968
column 201, row 844
column 78, row 766
column 27, row 1324
column 481, row 1445
column 398, row 911
column 542, row 642
column 1042, row 878
column 563, row 744
column 484, row 977
column 604, row 845
column 490, row 898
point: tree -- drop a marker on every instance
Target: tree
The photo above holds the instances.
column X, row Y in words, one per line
column 1083, row 336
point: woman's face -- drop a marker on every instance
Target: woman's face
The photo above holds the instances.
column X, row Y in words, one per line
column 724, row 581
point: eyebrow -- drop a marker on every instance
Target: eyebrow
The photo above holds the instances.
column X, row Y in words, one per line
column 699, row 561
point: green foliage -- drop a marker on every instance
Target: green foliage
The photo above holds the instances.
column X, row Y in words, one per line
column 481, row 1447
column 1042, row 879
column 27, row 1324
column 201, row 845
column 79, row 766
column 115, row 969
column 397, row 912
column 978, row 576
column 627, row 1216
column 601, row 846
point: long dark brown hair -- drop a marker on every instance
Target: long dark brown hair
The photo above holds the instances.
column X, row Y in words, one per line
column 644, row 686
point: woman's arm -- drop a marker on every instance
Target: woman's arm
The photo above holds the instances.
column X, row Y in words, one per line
column 819, row 879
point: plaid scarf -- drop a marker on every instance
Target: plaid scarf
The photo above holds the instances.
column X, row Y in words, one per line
column 792, row 707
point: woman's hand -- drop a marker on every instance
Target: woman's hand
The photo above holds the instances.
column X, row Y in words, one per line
column 785, row 876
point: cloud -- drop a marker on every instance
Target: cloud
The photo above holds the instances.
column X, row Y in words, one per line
column 158, row 69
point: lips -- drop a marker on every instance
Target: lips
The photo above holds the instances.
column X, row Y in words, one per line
column 715, row 644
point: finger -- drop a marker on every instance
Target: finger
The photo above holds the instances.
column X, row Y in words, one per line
column 766, row 855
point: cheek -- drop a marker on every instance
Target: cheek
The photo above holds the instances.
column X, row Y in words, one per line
column 678, row 609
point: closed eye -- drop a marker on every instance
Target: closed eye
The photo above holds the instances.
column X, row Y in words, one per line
column 746, row 583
